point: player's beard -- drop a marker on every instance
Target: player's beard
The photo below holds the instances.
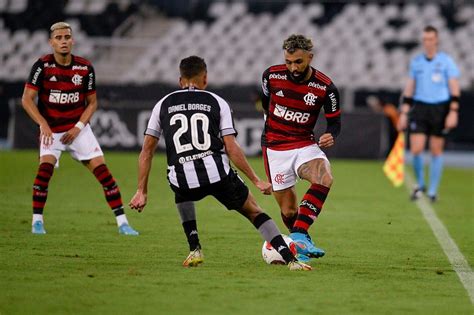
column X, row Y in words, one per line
column 302, row 75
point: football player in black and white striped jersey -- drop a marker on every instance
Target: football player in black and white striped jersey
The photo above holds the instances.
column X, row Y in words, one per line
column 199, row 134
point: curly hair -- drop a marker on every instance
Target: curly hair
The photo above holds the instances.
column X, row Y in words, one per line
column 297, row 41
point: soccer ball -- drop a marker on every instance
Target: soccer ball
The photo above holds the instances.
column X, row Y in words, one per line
column 272, row 257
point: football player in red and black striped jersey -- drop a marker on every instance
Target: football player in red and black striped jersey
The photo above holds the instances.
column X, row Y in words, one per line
column 294, row 94
column 64, row 85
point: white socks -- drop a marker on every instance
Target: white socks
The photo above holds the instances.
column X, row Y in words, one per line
column 37, row 217
column 121, row 219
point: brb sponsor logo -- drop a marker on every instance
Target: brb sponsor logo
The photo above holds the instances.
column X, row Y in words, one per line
column 57, row 97
column 317, row 86
column 285, row 113
column 277, row 76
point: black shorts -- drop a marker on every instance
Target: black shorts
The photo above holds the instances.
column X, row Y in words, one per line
column 230, row 191
column 428, row 118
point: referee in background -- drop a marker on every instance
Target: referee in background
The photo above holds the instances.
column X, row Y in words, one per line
column 429, row 109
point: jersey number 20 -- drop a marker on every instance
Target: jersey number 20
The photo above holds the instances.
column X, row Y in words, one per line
column 193, row 125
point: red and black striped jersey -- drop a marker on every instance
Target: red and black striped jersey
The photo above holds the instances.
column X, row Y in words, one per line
column 62, row 90
column 292, row 108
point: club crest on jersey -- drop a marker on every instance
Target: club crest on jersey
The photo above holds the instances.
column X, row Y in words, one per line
column 57, row 97
column 310, row 99
column 77, row 79
column 285, row 113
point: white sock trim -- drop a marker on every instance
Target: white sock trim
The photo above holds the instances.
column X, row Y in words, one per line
column 37, row 217
column 121, row 219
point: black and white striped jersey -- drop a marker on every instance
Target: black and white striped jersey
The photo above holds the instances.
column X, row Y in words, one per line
column 192, row 123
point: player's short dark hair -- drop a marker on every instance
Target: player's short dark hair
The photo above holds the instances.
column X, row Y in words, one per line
column 297, row 41
column 59, row 26
column 192, row 66
column 430, row 28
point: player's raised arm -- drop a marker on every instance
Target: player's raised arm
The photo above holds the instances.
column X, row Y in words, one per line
column 237, row 156
column 139, row 200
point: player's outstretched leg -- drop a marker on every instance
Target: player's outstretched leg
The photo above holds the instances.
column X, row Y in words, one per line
column 40, row 194
column 114, row 199
column 309, row 209
column 270, row 232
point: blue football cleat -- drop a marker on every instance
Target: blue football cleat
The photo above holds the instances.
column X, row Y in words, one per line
column 126, row 229
column 302, row 258
column 38, row 228
column 305, row 246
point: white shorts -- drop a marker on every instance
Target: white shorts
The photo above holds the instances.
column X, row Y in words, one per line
column 282, row 166
column 84, row 147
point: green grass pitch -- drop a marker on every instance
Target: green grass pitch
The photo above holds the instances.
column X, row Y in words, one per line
column 382, row 257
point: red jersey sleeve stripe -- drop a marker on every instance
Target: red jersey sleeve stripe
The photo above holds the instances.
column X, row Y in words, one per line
column 321, row 76
column 90, row 92
column 330, row 115
column 84, row 61
column 31, row 86
column 278, row 68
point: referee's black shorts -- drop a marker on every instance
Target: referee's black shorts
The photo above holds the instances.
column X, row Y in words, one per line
column 231, row 191
column 428, row 118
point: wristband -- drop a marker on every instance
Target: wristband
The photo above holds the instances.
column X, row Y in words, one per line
column 454, row 98
column 407, row 100
column 453, row 110
column 79, row 125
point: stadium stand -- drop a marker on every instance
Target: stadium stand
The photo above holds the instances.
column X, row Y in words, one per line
column 355, row 43
column 135, row 46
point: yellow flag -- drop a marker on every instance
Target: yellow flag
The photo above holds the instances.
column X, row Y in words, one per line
column 394, row 166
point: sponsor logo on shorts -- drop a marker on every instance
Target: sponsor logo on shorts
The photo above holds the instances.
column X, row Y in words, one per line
column 285, row 113
column 277, row 76
column 57, row 97
column 279, row 179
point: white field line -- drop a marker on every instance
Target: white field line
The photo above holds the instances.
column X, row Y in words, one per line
column 456, row 258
